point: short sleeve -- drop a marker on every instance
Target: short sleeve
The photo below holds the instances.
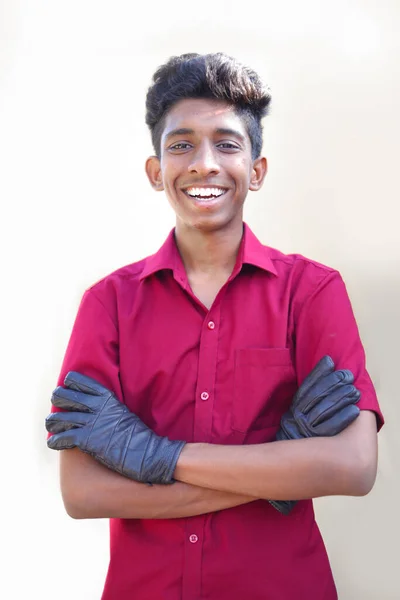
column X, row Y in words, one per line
column 93, row 348
column 325, row 325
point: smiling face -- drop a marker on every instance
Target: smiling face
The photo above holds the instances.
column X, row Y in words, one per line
column 206, row 167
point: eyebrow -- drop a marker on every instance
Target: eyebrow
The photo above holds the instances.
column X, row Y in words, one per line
column 219, row 130
column 181, row 131
column 228, row 131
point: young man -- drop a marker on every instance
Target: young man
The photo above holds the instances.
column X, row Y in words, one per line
column 186, row 366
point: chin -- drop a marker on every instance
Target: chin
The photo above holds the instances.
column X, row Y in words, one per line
column 212, row 224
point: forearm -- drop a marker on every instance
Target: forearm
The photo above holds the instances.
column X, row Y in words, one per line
column 287, row 470
column 290, row 470
column 91, row 491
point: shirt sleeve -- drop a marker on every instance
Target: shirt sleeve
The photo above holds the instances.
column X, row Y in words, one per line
column 326, row 325
column 93, row 348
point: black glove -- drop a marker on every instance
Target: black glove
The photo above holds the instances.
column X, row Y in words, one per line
column 322, row 406
column 103, row 427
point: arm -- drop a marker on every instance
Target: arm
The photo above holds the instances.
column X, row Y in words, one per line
column 345, row 464
column 97, row 423
column 91, row 491
column 289, row 470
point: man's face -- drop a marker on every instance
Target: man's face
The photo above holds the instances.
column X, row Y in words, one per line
column 206, row 168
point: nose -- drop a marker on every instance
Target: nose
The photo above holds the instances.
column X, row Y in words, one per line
column 204, row 160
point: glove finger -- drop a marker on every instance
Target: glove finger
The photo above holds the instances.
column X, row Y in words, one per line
column 282, row 435
column 323, row 368
column 283, row 506
column 289, row 428
column 338, row 422
column 324, row 387
column 87, row 385
column 68, row 399
column 67, row 439
column 332, row 404
column 63, row 421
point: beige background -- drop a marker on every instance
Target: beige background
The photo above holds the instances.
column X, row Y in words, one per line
column 75, row 205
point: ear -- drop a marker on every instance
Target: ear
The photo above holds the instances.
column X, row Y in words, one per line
column 153, row 171
column 258, row 173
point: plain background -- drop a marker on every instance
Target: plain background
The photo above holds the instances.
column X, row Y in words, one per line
column 75, row 205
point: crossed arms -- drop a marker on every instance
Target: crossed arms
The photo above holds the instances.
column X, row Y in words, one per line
column 210, row 477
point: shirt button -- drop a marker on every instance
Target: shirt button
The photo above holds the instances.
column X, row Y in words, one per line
column 204, row 395
column 211, row 325
column 193, row 538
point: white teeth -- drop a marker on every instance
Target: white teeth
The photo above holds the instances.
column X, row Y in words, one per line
column 204, row 192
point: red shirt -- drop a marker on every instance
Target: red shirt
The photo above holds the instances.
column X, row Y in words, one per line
column 224, row 376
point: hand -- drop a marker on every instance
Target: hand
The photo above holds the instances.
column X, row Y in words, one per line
column 324, row 405
column 100, row 425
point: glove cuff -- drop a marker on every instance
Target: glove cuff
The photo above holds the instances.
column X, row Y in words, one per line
column 171, row 458
column 160, row 460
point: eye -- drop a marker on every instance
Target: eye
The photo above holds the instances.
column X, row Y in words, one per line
column 228, row 146
column 180, row 146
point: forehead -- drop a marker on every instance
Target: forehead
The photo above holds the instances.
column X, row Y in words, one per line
column 202, row 115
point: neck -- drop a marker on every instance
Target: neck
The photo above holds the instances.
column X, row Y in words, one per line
column 208, row 253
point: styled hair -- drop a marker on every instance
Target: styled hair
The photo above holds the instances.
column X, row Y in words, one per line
column 215, row 76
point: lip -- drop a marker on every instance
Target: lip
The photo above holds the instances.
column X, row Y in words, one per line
column 203, row 186
column 203, row 203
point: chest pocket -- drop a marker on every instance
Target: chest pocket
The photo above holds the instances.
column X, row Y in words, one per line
column 264, row 386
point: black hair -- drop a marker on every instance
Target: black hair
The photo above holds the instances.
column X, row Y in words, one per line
column 215, row 76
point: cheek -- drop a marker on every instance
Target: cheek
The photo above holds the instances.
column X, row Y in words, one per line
column 171, row 190
column 169, row 179
column 243, row 167
column 243, row 173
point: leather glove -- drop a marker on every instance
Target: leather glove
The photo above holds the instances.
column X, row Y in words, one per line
column 324, row 405
column 100, row 425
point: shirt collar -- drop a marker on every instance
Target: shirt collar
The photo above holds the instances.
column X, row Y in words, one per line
column 255, row 253
column 251, row 252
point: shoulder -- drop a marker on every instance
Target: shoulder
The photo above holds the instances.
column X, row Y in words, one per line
column 119, row 285
column 300, row 270
column 127, row 275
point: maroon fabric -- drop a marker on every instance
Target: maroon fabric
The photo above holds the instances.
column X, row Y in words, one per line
column 226, row 376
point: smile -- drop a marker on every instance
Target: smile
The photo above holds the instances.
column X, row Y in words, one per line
column 209, row 193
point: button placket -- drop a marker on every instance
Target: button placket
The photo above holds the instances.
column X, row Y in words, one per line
column 194, row 536
column 206, row 375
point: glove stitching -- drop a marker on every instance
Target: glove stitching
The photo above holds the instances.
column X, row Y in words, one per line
column 326, row 392
column 176, row 451
column 128, row 445
column 301, row 426
column 86, row 389
column 143, row 457
column 96, row 419
column 82, row 407
column 330, row 408
column 113, row 431
column 287, row 415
